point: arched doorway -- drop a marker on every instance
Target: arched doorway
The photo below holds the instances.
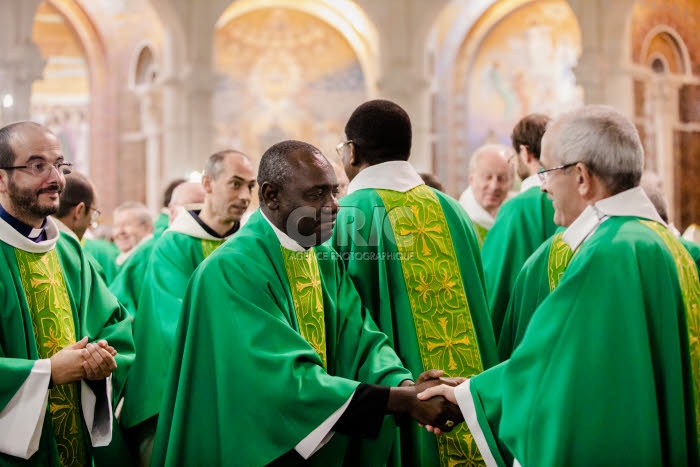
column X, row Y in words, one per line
column 666, row 89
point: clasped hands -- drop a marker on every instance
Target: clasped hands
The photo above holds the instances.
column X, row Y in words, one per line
column 432, row 409
column 81, row 360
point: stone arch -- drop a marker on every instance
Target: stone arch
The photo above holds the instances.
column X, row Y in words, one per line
column 280, row 63
column 476, row 26
column 144, row 69
column 103, row 139
column 676, row 46
column 344, row 15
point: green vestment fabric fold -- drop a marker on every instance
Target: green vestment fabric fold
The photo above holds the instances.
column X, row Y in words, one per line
column 129, row 281
column 443, row 263
column 160, row 224
column 603, row 374
column 521, row 225
column 96, row 314
column 244, row 386
column 105, row 254
column 174, row 258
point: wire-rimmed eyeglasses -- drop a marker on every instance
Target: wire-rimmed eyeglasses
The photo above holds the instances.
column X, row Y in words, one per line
column 544, row 173
column 43, row 168
column 341, row 148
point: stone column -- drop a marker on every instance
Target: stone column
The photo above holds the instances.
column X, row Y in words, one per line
column 151, row 131
column 663, row 96
column 20, row 63
column 604, row 68
column 188, row 86
column 404, row 77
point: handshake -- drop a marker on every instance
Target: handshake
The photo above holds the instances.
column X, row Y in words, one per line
column 430, row 401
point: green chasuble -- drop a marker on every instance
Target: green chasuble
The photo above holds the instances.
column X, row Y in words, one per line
column 608, row 369
column 480, row 232
column 414, row 259
column 538, row 277
column 105, row 254
column 129, row 281
column 693, row 248
column 249, row 378
column 175, row 256
column 522, row 224
column 160, row 224
column 49, row 298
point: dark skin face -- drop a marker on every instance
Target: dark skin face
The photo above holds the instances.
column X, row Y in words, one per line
column 306, row 206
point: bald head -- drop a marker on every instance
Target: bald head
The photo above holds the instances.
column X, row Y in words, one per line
column 298, row 191
column 214, row 164
column 228, row 180
column 14, row 134
column 185, row 194
column 491, row 176
column 30, row 187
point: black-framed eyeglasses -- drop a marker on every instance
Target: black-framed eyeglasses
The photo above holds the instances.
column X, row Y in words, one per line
column 43, row 168
column 341, row 148
column 543, row 173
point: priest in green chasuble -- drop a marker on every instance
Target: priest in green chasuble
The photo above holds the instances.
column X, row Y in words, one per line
column 228, row 181
column 522, row 224
column 608, row 369
column 490, row 180
column 65, row 342
column 128, row 283
column 413, row 256
column 275, row 359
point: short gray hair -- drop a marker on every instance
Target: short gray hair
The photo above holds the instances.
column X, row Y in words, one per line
column 604, row 140
column 140, row 211
column 212, row 167
column 502, row 149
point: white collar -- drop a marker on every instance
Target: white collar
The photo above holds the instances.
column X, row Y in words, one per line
column 633, row 202
column 393, row 175
column 476, row 212
column 9, row 235
column 186, row 224
column 531, row 181
column 64, row 228
column 287, row 242
column 124, row 256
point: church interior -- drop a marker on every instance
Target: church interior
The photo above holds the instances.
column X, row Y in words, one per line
column 141, row 92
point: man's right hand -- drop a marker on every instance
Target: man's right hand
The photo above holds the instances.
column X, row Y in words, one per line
column 437, row 412
column 67, row 363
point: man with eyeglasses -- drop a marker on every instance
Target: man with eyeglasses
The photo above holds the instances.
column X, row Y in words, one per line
column 76, row 211
column 228, row 181
column 65, row 342
column 490, row 181
column 412, row 253
column 608, row 370
column 522, row 223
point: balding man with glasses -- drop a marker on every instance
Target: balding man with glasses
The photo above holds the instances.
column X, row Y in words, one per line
column 65, row 342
